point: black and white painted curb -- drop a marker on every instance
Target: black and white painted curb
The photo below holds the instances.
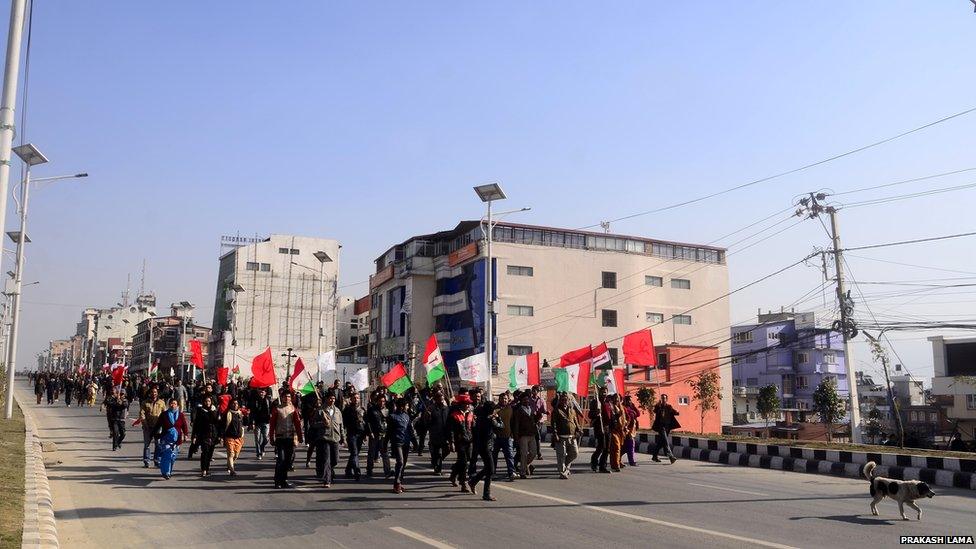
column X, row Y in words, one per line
column 39, row 527
column 939, row 471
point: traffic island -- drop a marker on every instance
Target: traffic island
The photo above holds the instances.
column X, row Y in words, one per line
column 12, row 479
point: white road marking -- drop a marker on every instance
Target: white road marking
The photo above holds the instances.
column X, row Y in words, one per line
column 679, row 526
column 421, row 538
column 712, row 486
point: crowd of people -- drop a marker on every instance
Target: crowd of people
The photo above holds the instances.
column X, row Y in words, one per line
column 480, row 432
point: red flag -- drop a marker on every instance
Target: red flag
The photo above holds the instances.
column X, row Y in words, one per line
column 223, row 403
column 533, row 376
column 222, row 375
column 639, row 349
column 298, row 369
column 118, row 374
column 262, row 370
column 196, row 351
column 395, row 373
column 577, row 356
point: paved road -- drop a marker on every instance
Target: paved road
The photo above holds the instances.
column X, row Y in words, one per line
column 106, row 499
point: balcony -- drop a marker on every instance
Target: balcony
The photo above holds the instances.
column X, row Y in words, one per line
column 745, row 391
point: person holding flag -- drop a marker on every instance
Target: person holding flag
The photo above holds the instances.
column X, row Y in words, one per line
column 149, row 412
column 286, row 425
column 565, row 431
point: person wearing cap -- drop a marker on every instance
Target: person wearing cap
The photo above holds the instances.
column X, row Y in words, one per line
column 460, row 427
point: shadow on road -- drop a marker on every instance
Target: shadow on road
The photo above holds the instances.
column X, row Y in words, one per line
column 853, row 519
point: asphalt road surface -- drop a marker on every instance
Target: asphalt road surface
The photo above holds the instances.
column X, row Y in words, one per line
column 106, row 499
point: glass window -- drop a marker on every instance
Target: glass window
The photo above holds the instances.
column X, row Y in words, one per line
column 609, row 279
column 802, row 358
column 293, row 251
column 266, row 267
column 520, row 310
column 609, row 318
column 742, row 337
column 683, row 401
column 801, row 382
column 971, row 402
column 519, row 350
column 634, row 246
column 516, row 270
column 830, row 358
column 653, row 281
column 655, row 318
column 682, row 319
column 681, row 283
column 662, row 361
column 251, row 266
column 282, row 250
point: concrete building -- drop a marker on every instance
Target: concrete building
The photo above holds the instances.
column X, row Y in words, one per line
column 353, row 328
column 954, row 361
column 165, row 339
column 790, row 351
column 278, row 292
column 108, row 332
column 556, row 290
column 874, row 396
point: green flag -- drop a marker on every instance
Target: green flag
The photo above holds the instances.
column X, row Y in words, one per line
column 400, row 386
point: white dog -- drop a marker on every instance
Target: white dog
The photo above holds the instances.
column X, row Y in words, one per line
column 902, row 491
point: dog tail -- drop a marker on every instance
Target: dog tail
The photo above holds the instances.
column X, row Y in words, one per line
column 868, row 470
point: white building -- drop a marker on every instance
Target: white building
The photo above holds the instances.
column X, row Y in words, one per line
column 955, row 375
column 278, row 292
column 353, row 328
column 111, row 330
column 556, row 290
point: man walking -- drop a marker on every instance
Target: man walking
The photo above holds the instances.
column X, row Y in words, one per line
column 601, row 433
column 149, row 412
column 286, row 425
column 503, row 438
column 664, row 423
column 400, row 432
column 260, row 415
column 332, row 438
column 376, row 427
column 565, row 429
column 435, row 419
column 524, row 430
column 355, row 424
column 116, row 409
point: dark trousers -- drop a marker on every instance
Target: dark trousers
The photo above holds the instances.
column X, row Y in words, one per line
column 353, row 443
column 438, row 451
column 378, row 448
column 663, row 440
column 421, row 435
column 601, row 452
column 504, row 446
column 400, row 453
column 206, row 455
column 459, row 471
column 284, row 454
column 117, row 428
column 483, row 451
column 326, row 458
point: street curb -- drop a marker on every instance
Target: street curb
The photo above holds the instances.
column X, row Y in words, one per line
column 40, row 529
column 810, row 460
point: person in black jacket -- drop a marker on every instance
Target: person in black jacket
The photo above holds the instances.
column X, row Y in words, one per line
column 460, row 426
column 399, row 433
column 601, row 433
column 260, row 418
column 355, row 423
column 664, row 423
column 379, row 444
column 486, row 425
column 206, row 433
column 116, row 409
column 435, row 419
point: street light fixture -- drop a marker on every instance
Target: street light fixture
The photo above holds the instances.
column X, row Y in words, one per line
column 31, row 156
column 489, row 193
column 323, row 258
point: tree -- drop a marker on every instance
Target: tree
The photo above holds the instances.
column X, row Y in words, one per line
column 768, row 403
column 873, row 426
column 880, row 355
column 707, row 390
column 645, row 401
column 828, row 405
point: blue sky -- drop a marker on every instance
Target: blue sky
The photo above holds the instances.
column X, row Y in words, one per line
column 370, row 122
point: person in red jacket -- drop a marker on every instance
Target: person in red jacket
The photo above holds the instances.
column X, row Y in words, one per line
column 286, row 426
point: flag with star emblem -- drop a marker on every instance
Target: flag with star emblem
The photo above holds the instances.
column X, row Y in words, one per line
column 524, row 372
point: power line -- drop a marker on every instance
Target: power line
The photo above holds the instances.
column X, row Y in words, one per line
column 788, row 172
column 903, row 242
column 885, row 200
column 904, row 181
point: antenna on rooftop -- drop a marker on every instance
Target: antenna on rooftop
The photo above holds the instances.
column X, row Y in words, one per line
column 606, row 226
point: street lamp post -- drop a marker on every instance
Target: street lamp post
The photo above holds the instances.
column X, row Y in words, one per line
column 288, row 356
column 31, row 157
column 323, row 259
column 488, row 194
column 236, row 288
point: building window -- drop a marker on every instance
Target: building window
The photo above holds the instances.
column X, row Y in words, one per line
column 802, row 358
column 266, row 267
column 662, row 361
column 655, row 318
column 293, row 251
column 653, row 281
column 801, row 382
column 752, row 382
column 283, row 251
column 751, row 359
column 683, row 400
column 609, row 280
column 682, row 319
column 251, row 266
column 830, row 358
column 613, row 355
column 609, row 318
column 742, row 337
column 519, row 350
column 520, row 310
column 934, row 417
column 681, row 283
column 516, row 270
column 971, row 402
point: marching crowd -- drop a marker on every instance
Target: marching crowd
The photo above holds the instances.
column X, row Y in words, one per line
column 467, row 423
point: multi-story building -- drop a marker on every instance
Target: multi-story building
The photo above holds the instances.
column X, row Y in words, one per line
column 279, row 292
column 165, row 340
column 108, row 332
column 790, row 351
column 873, row 396
column 555, row 290
column 955, row 376
column 353, row 328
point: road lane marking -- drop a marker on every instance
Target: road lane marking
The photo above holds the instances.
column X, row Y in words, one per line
column 676, row 525
column 421, row 538
column 728, row 489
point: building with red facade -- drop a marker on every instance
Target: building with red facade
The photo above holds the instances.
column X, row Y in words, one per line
column 677, row 366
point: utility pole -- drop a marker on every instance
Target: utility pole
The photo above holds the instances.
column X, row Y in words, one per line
column 811, row 207
column 288, row 356
column 8, row 102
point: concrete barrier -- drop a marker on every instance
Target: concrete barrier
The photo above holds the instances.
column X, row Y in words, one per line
column 40, row 529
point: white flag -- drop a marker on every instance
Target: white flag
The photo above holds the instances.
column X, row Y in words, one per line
column 474, row 368
column 360, row 379
column 327, row 361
